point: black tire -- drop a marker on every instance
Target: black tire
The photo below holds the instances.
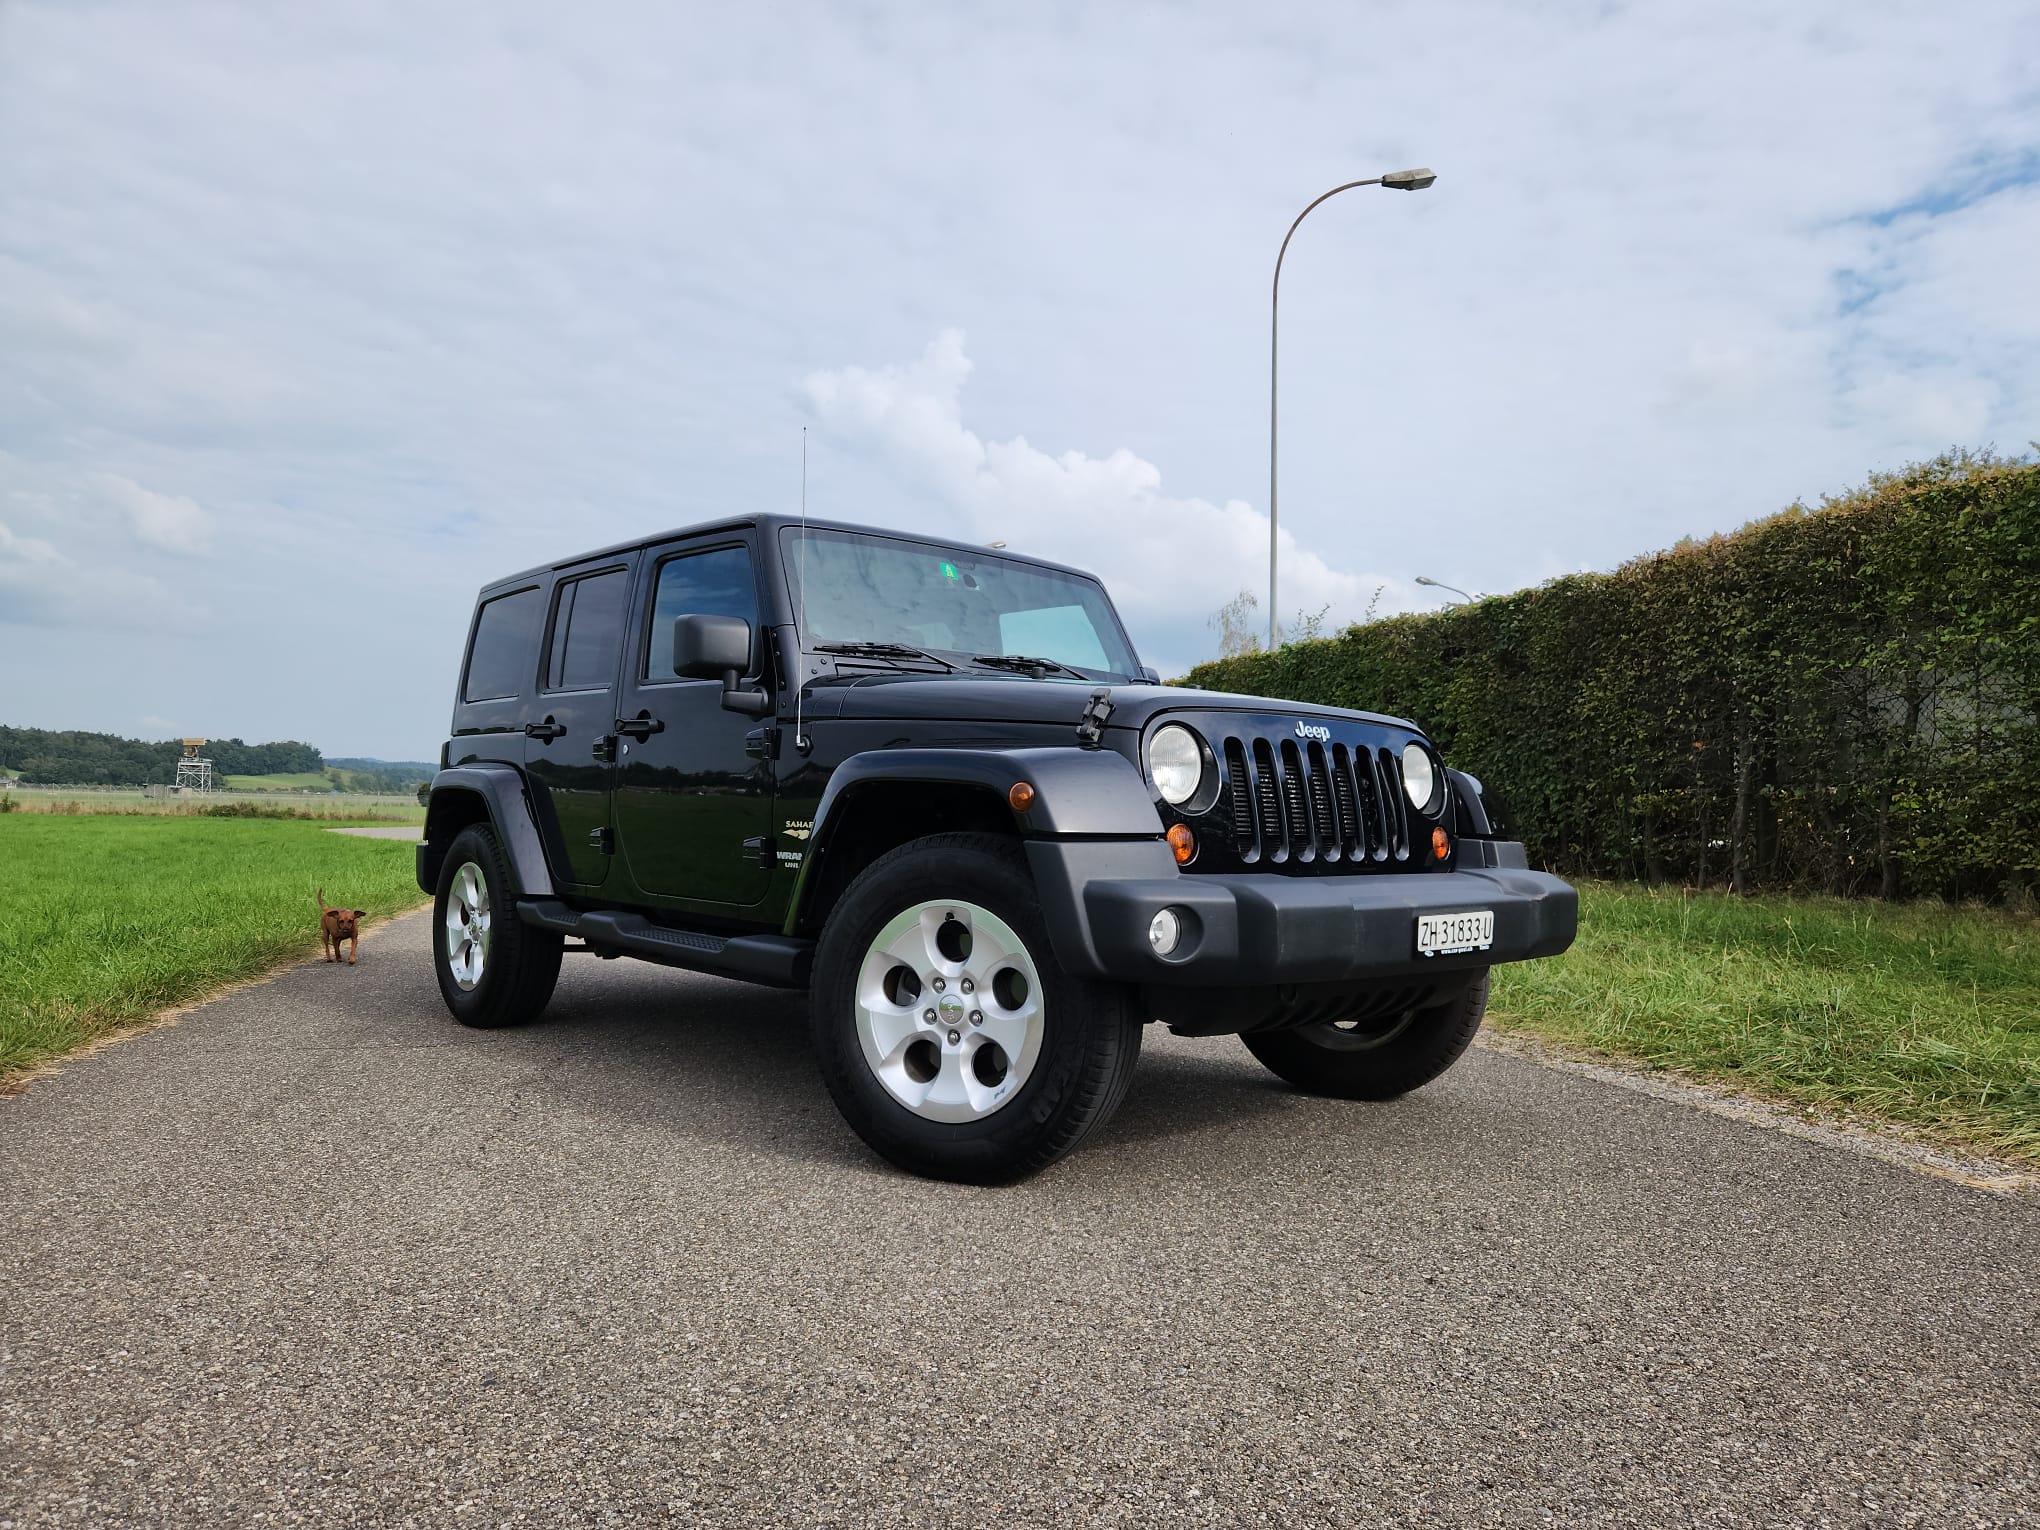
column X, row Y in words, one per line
column 1370, row 1062
column 520, row 964
column 1089, row 1032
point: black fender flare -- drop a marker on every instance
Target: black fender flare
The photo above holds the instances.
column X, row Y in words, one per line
column 507, row 805
column 1078, row 793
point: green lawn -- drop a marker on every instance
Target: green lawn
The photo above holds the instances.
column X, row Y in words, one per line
column 300, row 781
column 1917, row 1013
column 105, row 920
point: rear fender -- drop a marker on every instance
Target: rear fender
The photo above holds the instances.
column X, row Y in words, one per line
column 491, row 794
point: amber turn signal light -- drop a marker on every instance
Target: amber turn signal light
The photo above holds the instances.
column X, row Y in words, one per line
column 1183, row 842
column 1021, row 795
column 1440, row 845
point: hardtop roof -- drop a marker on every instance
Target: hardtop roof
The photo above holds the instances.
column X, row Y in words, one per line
column 769, row 522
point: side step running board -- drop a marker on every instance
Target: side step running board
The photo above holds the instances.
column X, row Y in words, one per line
column 779, row 960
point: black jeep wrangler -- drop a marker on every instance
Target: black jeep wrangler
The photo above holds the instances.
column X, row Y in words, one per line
column 933, row 784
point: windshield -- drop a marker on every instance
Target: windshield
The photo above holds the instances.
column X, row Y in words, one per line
column 863, row 589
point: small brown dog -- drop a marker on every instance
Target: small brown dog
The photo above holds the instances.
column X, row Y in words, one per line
column 338, row 925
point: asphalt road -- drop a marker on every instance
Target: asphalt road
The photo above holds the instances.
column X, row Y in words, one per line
column 316, row 1255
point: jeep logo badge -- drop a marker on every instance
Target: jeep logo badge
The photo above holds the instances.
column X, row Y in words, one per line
column 1312, row 730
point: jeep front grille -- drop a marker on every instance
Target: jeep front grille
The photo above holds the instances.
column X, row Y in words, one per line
column 1315, row 802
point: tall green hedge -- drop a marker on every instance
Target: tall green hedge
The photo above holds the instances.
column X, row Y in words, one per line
column 1844, row 699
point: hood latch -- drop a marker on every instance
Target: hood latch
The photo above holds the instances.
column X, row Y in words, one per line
column 1091, row 726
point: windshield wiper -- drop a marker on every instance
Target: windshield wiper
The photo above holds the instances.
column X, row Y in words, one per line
column 1021, row 661
column 881, row 651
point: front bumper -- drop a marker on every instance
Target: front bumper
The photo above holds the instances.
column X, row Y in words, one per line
column 1267, row 930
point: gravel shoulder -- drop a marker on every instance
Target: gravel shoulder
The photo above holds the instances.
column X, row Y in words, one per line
column 313, row 1254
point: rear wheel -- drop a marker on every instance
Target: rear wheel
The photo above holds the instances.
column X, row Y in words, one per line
column 493, row 969
column 948, row 1036
column 1374, row 1059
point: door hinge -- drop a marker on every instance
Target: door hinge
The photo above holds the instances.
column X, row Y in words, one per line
column 763, row 743
column 602, row 841
column 604, row 747
column 761, row 848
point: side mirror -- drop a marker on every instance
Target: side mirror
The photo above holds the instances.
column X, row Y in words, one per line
column 1150, row 674
column 711, row 648
column 719, row 648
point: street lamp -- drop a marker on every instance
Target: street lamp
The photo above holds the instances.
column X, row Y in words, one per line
column 1437, row 585
column 1400, row 180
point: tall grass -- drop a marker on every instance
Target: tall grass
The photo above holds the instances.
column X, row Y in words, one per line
column 328, row 807
column 105, row 920
column 1921, row 1014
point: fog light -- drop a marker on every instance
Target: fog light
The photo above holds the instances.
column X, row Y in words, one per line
column 1164, row 930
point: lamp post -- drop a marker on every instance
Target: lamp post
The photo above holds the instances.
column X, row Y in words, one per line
column 1439, row 585
column 1400, row 180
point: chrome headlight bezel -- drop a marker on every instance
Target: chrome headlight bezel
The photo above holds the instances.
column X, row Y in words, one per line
column 1418, row 768
column 1175, row 758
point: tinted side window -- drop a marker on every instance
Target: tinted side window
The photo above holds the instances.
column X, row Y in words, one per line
column 587, row 626
column 714, row 583
column 506, row 646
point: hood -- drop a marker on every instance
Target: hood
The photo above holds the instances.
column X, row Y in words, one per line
column 1016, row 698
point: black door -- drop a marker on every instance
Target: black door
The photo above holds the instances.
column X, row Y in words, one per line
column 693, row 801
column 570, row 743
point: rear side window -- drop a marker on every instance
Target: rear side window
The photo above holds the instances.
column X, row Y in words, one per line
column 587, row 626
column 713, row 583
column 506, row 646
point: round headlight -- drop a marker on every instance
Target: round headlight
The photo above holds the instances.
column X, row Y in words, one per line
column 1419, row 776
column 1175, row 763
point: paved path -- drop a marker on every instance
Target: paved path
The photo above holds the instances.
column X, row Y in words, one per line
column 412, row 831
column 315, row 1255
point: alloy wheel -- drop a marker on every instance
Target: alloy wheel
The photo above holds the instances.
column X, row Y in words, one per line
column 467, row 926
column 949, row 1010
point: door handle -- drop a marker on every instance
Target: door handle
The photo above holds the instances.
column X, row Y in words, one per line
column 545, row 732
column 640, row 727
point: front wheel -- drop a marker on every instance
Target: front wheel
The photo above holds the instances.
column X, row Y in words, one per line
column 1374, row 1060
column 949, row 1038
column 493, row 970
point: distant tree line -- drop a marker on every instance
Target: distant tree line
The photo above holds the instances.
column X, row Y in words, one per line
column 1844, row 699
column 392, row 776
column 103, row 759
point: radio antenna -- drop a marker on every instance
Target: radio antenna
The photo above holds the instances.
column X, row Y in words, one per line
column 799, row 680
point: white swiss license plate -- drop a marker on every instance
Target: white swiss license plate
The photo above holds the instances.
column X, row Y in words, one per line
column 1449, row 934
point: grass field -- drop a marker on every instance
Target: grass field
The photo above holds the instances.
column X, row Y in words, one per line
column 352, row 807
column 1920, row 1014
column 333, row 776
column 105, row 920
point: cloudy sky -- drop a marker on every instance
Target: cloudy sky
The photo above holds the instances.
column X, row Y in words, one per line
column 312, row 319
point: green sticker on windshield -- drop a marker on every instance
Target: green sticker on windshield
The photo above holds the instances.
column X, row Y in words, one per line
column 948, row 570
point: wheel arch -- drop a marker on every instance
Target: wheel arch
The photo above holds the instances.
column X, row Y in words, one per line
column 488, row 794
column 884, row 798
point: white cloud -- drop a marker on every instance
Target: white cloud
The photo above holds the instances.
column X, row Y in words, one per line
column 41, row 586
column 25, row 550
column 1169, row 561
column 168, row 521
